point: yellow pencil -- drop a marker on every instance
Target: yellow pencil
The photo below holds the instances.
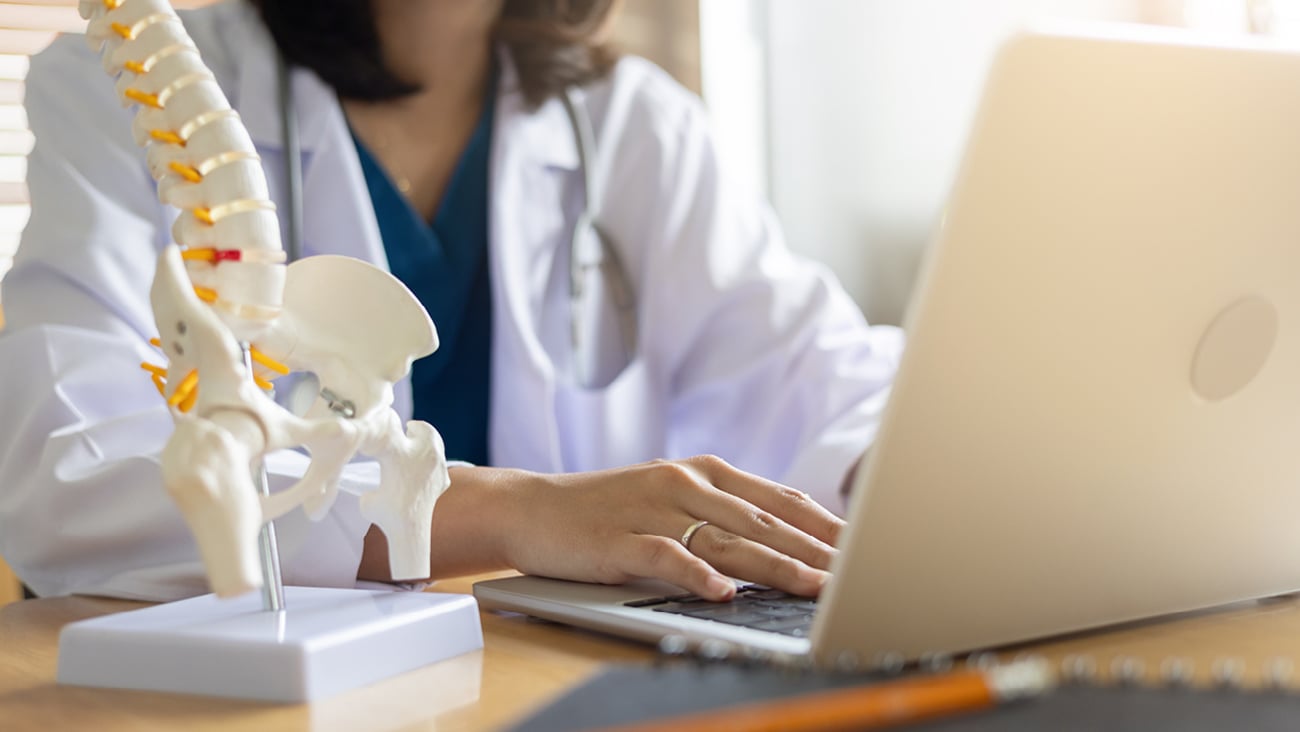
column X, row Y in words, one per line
column 869, row 707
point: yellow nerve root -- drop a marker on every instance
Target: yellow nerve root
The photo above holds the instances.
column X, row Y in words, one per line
column 159, row 376
column 167, row 136
column 145, row 98
column 268, row 362
column 185, row 390
column 187, row 172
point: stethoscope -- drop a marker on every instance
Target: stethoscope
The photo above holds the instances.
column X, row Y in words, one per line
column 602, row 304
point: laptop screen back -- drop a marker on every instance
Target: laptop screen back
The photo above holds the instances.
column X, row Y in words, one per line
column 1097, row 418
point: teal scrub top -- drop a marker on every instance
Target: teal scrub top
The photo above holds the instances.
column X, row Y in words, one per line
column 444, row 262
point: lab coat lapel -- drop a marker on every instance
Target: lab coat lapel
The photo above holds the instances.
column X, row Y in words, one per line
column 532, row 154
column 339, row 217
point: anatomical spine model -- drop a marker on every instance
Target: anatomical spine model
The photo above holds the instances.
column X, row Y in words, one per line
column 225, row 289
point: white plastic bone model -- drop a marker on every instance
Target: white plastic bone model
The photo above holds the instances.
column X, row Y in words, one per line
column 352, row 325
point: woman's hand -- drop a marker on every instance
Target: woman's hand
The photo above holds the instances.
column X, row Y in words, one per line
column 614, row 525
column 611, row 526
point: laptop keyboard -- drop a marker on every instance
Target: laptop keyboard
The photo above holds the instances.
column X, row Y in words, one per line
column 754, row 606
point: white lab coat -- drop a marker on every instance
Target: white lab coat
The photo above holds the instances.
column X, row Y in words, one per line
column 745, row 351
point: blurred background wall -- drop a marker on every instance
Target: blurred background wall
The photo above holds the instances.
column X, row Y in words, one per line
column 848, row 115
column 852, row 113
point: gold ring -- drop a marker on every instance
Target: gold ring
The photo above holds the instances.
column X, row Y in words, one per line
column 690, row 533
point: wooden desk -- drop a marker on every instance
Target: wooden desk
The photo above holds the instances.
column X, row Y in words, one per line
column 523, row 665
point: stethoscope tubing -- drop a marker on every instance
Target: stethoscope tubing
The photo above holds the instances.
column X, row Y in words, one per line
column 603, row 257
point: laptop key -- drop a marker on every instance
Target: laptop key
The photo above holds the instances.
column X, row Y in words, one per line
column 675, row 607
column 729, row 613
column 779, row 611
column 646, row 602
column 787, row 626
column 769, row 594
column 804, row 606
column 718, row 612
column 744, row 620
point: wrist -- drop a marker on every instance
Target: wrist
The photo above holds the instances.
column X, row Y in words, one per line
column 490, row 508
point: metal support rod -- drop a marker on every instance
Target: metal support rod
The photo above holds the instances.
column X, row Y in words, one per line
column 267, row 549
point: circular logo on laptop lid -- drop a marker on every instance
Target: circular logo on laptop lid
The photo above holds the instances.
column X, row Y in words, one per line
column 1234, row 348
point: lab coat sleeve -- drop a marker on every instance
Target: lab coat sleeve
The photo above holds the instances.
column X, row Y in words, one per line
column 769, row 363
column 82, row 506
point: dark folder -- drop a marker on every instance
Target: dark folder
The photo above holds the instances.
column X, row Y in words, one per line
column 629, row 694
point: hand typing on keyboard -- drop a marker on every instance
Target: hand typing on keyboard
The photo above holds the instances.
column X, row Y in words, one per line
column 694, row 522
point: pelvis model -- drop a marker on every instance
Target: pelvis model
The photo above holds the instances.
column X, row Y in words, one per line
column 231, row 314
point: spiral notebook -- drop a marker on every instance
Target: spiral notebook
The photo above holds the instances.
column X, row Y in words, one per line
column 1140, row 701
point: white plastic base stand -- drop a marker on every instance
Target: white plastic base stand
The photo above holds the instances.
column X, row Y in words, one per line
column 324, row 642
column 290, row 644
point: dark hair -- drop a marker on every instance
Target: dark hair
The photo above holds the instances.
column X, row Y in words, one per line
column 553, row 43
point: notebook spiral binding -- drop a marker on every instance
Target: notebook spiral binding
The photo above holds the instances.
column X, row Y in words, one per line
column 1173, row 672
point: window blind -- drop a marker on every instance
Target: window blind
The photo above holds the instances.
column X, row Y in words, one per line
column 26, row 27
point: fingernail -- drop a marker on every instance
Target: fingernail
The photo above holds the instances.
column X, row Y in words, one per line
column 816, row 577
column 719, row 585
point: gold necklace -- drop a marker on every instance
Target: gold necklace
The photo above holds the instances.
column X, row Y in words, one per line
column 383, row 145
column 381, row 136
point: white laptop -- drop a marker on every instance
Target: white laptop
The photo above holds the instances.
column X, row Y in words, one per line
column 1097, row 418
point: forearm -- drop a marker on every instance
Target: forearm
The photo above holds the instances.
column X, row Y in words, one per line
column 614, row 525
column 469, row 522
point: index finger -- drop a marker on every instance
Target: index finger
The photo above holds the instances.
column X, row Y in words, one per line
column 792, row 506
